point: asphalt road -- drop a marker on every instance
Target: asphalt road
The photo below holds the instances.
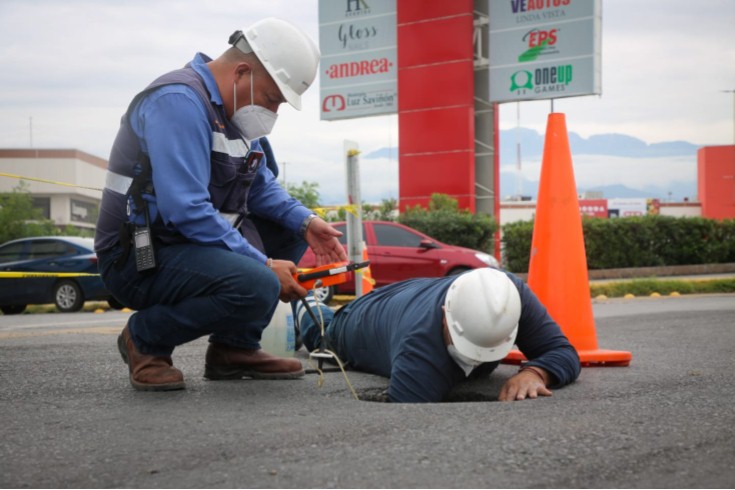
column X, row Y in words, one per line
column 71, row 419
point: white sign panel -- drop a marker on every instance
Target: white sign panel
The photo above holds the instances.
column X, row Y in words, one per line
column 544, row 49
column 359, row 68
column 626, row 207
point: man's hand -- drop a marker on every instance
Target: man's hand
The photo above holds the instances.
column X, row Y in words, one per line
column 528, row 383
column 290, row 289
column 323, row 240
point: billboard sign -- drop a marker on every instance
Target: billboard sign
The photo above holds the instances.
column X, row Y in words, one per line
column 359, row 68
column 544, row 49
column 596, row 208
column 626, row 207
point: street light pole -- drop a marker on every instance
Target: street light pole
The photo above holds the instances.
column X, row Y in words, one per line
column 733, row 111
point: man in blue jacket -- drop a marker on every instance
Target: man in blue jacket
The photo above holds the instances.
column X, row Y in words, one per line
column 427, row 335
column 194, row 231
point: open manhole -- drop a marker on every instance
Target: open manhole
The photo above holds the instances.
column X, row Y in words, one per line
column 381, row 395
column 373, row 395
column 470, row 396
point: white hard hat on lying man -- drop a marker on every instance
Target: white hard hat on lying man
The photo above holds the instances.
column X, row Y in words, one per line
column 482, row 308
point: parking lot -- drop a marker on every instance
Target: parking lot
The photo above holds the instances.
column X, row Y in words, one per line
column 71, row 419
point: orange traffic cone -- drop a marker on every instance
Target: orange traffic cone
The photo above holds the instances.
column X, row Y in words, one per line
column 558, row 268
column 367, row 278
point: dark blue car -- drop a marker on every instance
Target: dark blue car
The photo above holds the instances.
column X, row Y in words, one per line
column 55, row 255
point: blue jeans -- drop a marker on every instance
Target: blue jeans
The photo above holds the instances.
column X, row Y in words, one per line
column 195, row 291
column 311, row 331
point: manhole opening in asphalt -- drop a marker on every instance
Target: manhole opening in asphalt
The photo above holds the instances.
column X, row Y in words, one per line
column 471, row 396
column 380, row 395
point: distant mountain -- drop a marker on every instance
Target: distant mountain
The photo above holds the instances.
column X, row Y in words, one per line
column 509, row 186
column 619, row 191
column 619, row 145
column 613, row 145
column 678, row 191
column 532, row 146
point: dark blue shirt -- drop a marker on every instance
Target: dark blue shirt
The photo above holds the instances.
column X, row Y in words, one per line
column 396, row 331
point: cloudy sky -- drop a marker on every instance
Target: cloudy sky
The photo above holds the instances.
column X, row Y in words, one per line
column 70, row 67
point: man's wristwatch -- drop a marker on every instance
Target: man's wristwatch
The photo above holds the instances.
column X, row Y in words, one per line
column 306, row 223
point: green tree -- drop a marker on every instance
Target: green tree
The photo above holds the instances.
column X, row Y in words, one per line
column 388, row 208
column 443, row 202
column 307, row 193
column 380, row 212
column 18, row 217
column 71, row 230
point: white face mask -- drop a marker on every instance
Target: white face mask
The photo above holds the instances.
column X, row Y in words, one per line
column 252, row 120
column 462, row 361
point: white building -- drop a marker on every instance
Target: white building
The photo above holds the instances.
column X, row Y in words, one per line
column 72, row 184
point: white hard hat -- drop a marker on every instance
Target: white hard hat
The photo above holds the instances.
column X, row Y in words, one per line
column 482, row 309
column 288, row 54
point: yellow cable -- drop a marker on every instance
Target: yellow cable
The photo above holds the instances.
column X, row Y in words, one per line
column 320, row 380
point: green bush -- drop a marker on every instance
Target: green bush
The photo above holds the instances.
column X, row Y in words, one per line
column 647, row 241
column 517, row 245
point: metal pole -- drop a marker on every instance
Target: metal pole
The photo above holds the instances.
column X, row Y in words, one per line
column 519, row 182
column 354, row 215
column 733, row 111
column 496, row 177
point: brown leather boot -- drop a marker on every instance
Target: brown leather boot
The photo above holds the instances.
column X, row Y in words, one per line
column 228, row 362
column 148, row 373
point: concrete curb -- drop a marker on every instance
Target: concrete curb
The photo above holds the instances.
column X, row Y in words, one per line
column 663, row 271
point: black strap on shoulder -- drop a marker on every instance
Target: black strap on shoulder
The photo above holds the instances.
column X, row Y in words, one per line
column 143, row 182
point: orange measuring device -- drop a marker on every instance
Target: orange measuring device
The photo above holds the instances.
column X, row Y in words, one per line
column 328, row 275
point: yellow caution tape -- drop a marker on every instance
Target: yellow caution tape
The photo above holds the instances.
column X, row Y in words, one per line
column 3, row 174
column 17, row 275
column 350, row 208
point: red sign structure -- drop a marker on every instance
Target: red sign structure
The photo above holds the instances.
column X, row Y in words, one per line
column 716, row 181
column 436, row 115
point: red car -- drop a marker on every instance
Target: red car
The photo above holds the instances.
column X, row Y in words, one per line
column 397, row 252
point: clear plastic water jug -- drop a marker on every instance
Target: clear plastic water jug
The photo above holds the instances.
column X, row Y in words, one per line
column 279, row 337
